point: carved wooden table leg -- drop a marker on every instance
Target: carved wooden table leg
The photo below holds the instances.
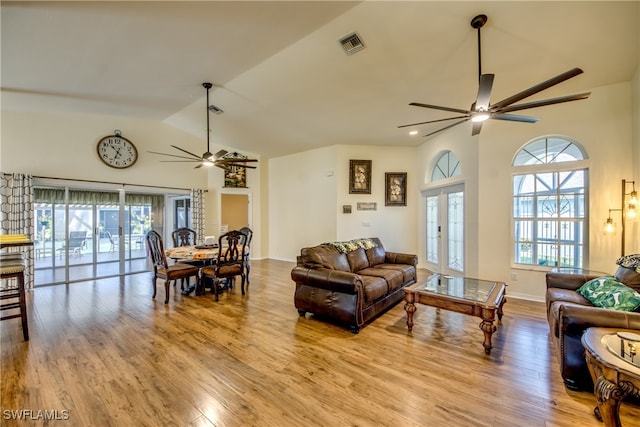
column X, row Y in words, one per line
column 410, row 308
column 608, row 396
column 488, row 328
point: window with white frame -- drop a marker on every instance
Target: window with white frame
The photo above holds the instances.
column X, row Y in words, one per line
column 549, row 204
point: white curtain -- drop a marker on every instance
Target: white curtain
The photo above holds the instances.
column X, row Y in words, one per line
column 197, row 214
column 17, row 214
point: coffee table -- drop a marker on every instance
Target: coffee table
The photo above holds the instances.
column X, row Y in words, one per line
column 474, row 297
column 610, row 358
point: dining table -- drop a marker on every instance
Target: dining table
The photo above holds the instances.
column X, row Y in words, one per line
column 207, row 254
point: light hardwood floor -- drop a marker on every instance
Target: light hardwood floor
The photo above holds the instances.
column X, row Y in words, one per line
column 109, row 355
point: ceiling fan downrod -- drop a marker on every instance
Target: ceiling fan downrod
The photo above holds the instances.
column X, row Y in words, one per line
column 208, row 154
column 477, row 23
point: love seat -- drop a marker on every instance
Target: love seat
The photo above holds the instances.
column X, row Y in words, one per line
column 569, row 314
column 350, row 283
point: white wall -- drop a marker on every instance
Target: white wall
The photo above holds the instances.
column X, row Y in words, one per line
column 308, row 190
column 602, row 125
column 61, row 145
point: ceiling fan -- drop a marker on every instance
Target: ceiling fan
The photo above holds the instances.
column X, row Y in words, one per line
column 482, row 110
column 222, row 159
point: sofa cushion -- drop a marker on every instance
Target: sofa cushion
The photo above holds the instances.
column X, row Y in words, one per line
column 374, row 288
column 408, row 271
column 393, row 278
column 324, row 257
column 607, row 292
column 357, row 260
column 566, row 295
column 376, row 255
column 629, row 277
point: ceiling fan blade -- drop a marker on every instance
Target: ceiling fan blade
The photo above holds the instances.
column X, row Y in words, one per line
column 178, row 161
column 446, row 127
column 433, row 121
column 188, row 152
column 475, row 129
column 437, row 107
column 228, row 165
column 198, row 166
column 542, row 103
column 484, row 92
column 220, row 154
column 171, row 155
column 232, row 160
column 537, row 88
column 514, row 118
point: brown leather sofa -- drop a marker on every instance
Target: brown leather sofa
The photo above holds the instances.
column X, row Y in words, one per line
column 351, row 288
column 570, row 314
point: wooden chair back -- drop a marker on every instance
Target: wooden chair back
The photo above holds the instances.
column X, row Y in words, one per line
column 156, row 250
column 183, row 236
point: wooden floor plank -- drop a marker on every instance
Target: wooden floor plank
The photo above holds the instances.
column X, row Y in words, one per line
column 110, row 355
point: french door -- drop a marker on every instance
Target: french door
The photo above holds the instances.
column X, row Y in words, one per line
column 445, row 245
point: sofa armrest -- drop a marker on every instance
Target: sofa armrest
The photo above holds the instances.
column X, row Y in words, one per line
column 398, row 258
column 567, row 281
column 576, row 318
column 325, row 278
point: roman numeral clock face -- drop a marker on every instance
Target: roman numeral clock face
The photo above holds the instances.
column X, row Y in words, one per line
column 117, row 151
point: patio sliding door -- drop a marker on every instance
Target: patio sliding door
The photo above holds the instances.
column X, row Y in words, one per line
column 83, row 234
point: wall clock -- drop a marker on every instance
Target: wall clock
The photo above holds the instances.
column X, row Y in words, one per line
column 117, row 151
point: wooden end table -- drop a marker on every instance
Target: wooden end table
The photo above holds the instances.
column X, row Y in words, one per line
column 474, row 297
column 609, row 359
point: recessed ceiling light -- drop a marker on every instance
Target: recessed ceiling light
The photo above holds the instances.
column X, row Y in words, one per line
column 413, row 132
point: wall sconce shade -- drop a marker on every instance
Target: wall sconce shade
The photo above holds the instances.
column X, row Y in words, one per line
column 609, row 226
column 629, row 213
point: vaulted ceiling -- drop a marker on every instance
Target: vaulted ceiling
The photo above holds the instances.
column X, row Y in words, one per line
column 283, row 80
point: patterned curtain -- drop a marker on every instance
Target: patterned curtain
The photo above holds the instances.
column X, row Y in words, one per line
column 17, row 214
column 197, row 214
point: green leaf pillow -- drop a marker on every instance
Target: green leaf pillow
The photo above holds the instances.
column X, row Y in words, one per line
column 607, row 292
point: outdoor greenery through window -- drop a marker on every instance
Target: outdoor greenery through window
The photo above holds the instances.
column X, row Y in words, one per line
column 549, row 204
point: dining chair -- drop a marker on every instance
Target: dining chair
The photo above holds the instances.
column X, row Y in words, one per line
column 162, row 270
column 247, row 254
column 183, row 236
column 113, row 241
column 230, row 261
column 12, row 296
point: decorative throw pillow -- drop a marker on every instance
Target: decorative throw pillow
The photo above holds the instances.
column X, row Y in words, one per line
column 630, row 261
column 607, row 292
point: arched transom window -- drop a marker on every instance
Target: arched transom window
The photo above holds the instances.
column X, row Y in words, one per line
column 447, row 166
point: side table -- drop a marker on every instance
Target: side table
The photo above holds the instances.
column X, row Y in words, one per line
column 614, row 377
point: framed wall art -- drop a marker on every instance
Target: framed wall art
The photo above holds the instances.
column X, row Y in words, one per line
column 395, row 189
column 359, row 176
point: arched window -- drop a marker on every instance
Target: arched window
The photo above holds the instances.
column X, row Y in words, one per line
column 549, row 203
column 447, row 166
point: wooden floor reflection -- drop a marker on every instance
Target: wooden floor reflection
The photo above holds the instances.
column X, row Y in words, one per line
column 111, row 356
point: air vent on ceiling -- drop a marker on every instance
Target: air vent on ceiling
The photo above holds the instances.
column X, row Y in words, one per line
column 351, row 43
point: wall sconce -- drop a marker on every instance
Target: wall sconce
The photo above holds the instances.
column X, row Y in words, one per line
column 627, row 210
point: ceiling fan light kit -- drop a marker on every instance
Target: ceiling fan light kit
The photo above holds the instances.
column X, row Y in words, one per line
column 209, row 159
column 481, row 110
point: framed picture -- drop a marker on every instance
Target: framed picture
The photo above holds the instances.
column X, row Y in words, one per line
column 359, row 176
column 395, row 189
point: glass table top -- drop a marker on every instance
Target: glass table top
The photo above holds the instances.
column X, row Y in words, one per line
column 624, row 345
column 458, row 287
